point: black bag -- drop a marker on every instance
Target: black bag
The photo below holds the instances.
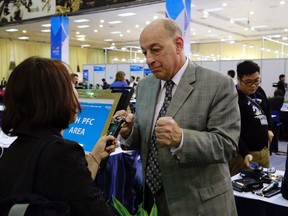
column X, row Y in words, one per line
column 284, row 185
column 22, row 201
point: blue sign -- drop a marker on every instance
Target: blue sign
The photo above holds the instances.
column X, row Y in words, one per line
column 88, row 127
column 99, row 68
column 86, row 74
column 136, row 68
column 147, row 71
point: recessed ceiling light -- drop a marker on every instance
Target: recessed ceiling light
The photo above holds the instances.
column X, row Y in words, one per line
column 282, row 2
column 83, row 26
column 12, row 30
column 23, row 38
column 46, row 30
column 127, row 14
column 128, row 31
column 95, row 30
column 46, row 25
column 102, row 21
column 85, row 45
column 81, row 20
column 224, row 4
column 24, row 31
column 101, row 26
column 115, row 22
column 108, row 39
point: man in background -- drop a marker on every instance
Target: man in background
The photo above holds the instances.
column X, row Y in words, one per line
column 231, row 73
column 185, row 156
column 281, row 83
column 256, row 125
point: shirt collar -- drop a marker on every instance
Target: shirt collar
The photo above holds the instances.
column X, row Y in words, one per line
column 177, row 77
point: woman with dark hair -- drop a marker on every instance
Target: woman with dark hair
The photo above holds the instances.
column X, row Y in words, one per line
column 40, row 102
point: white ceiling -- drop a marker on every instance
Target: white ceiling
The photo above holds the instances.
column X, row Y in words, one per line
column 269, row 18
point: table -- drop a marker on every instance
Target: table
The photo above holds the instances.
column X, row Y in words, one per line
column 121, row 176
column 248, row 203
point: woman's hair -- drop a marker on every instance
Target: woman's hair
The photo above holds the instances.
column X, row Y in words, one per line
column 120, row 76
column 39, row 90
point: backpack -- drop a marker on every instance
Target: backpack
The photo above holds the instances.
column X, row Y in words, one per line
column 284, row 185
column 22, row 200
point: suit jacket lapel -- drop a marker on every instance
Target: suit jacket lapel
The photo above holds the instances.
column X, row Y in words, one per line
column 152, row 100
column 184, row 89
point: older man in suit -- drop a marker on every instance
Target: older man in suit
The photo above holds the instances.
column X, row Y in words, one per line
column 197, row 136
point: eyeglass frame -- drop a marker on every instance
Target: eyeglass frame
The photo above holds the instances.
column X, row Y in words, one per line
column 255, row 82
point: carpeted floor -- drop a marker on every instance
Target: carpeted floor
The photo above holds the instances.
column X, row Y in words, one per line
column 278, row 159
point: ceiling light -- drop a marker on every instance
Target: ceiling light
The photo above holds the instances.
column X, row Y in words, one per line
column 113, row 44
column 115, row 22
column 282, row 2
column 121, row 35
column 95, row 30
column 155, row 17
column 128, row 31
column 259, row 26
column 108, row 39
column 85, row 45
column 214, row 9
column 137, row 26
column 240, row 19
column 102, row 21
column 285, row 30
column 12, row 30
column 251, row 12
column 46, row 25
column 80, row 36
column 83, row 26
column 81, row 20
column 24, row 31
column 23, row 38
column 101, row 26
column 127, row 14
column 224, row 4
column 116, row 32
column 46, row 30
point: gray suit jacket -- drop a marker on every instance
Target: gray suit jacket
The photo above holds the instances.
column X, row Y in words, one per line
column 205, row 105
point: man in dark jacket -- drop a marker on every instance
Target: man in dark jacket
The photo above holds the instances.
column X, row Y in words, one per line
column 281, row 83
column 256, row 125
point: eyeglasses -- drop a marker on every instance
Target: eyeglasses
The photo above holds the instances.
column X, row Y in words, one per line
column 255, row 82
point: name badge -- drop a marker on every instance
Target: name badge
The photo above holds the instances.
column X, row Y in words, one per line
column 263, row 120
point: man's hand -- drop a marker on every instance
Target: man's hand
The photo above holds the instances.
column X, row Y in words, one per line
column 127, row 125
column 270, row 136
column 248, row 158
column 168, row 132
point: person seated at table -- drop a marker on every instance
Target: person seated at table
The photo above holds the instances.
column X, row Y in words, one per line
column 40, row 103
column 277, row 100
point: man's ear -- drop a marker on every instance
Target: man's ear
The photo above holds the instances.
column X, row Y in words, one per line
column 179, row 42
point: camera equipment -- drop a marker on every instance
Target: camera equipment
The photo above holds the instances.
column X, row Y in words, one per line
column 247, row 184
column 114, row 128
